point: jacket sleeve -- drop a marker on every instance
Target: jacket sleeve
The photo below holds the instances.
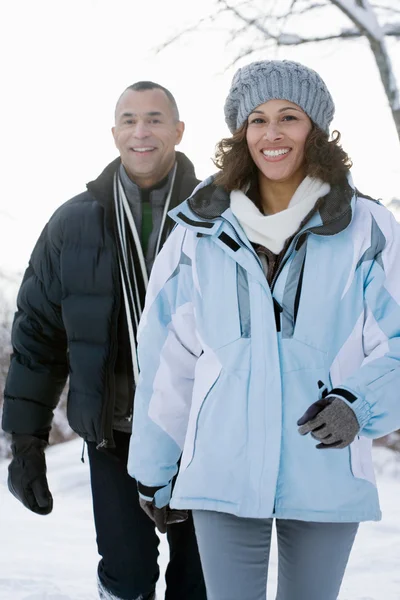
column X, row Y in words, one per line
column 168, row 350
column 373, row 391
column 38, row 368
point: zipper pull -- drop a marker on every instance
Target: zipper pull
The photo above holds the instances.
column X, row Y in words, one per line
column 323, row 390
column 103, row 444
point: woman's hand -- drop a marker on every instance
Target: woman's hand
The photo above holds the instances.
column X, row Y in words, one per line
column 162, row 516
column 331, row 421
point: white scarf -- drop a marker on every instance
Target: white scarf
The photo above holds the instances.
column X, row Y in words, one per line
column 271, row 231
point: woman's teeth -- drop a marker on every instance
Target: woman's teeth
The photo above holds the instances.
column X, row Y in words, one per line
column 273, row 153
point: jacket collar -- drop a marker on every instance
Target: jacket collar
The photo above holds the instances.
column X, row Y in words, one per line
column 208, row 212
column 102, row 187
column 209, row 203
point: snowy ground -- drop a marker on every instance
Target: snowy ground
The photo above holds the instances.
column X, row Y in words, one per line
column 55, row 557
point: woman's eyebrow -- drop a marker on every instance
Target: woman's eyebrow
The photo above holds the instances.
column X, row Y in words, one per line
column 260, row 112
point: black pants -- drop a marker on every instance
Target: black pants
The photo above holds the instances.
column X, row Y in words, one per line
column 126, row 537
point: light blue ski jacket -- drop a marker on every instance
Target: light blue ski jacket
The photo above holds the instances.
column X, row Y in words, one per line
column 228, row 364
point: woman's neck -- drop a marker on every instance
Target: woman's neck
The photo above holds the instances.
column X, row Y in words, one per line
column 276, row 195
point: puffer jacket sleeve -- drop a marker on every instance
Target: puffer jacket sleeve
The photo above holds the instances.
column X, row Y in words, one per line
column 38, row 368
column 373, row 391
column 168, row 350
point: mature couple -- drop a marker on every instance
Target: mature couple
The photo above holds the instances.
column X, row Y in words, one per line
column 272, row 312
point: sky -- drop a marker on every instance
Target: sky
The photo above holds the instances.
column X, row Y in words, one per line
column 66, row 63
column 60, row 561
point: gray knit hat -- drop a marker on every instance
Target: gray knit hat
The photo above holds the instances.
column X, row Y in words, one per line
column 265, row 80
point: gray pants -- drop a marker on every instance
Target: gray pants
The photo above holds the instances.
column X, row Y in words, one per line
column 234, row 552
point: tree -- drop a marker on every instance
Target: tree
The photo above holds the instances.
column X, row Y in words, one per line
column 5, row 351
column 60, row 431
column 266, row 25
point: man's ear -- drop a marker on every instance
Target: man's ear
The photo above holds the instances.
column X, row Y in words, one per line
column 180, row 129
column 113, row 134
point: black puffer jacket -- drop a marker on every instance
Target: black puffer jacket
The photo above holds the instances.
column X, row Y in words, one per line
column 67, row 320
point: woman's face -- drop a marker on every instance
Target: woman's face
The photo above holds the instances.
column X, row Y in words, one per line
column 276, row 135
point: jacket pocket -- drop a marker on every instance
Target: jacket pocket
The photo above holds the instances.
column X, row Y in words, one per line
column 207, row 377
column 361, row 459
column 297, row 355
column 223, row 314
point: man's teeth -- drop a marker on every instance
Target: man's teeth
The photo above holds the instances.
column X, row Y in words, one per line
column 275, row 152
column 142, row 149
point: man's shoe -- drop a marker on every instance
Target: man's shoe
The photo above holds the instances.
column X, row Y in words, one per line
column 105, row 594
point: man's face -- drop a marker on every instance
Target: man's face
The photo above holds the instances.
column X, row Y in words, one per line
column 146, row 132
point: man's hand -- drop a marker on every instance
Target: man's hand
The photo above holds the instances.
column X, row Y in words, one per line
column 162, row 516
column 331, row 421
column 27, row 474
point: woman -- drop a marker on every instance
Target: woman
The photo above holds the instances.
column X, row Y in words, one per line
column 272, row 313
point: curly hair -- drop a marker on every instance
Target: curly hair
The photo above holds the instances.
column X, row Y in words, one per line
column 324, row 158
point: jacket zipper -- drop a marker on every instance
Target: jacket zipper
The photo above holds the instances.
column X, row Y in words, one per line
column 283, row 261
column 109, row 393
column 288, row 254
column 277, row 307
column 278, row 272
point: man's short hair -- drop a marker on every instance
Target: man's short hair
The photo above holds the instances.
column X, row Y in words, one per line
column 141, row 86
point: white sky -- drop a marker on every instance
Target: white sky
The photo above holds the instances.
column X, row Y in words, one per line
column 65, row 64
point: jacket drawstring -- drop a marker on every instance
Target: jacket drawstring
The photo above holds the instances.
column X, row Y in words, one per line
column 83, row 452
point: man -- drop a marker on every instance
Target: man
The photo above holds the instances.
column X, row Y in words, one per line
column 78, row 310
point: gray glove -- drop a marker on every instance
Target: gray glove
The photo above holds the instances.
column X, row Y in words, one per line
column 331, row 421
column 162, row 516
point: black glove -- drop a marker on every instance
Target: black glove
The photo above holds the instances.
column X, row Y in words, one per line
column 162, row 516
column 331, row 421
column 27, row 474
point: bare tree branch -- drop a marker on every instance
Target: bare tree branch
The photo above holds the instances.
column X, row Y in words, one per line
column 387, row 8
column 191, row 29
column 301, row 11
column 272, row 28
column 358, row 15
column 252, row 23
column 287, row 39
column 279, row 17
column 288, row 16
column 392, row 29
column 249, row 50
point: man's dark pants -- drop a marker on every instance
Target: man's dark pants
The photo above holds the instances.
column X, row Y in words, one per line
column 126, row 537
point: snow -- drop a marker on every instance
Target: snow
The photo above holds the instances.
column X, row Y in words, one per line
column 55, row 557
column 289, row 39
column 364, row 15
column 394, row 207
column 9, row 284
